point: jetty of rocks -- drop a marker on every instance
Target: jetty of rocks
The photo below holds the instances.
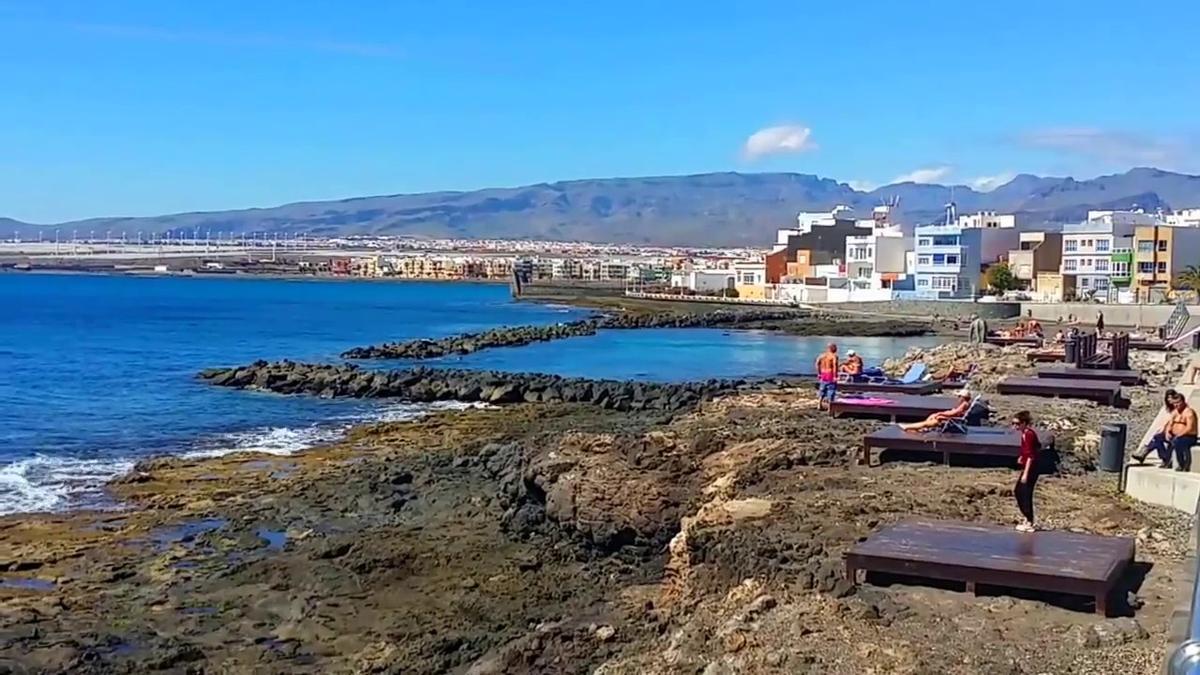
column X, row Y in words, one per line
column 517, row 336
column 423, row 385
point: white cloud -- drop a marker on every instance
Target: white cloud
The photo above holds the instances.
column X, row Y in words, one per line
column 1112, row 146
column 862, row 185
column 989, row 183
column 933, row 174
column 784, row 139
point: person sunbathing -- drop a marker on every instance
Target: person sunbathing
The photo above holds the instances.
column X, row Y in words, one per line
column 939, row 418
column 853, row 367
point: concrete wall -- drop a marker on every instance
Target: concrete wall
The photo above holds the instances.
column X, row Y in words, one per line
column 1147, row 316
column 943, row 308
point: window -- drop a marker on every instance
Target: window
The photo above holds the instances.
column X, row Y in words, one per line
column 1070, row 245
column 1101, row 265
column 1145, row 268
column 1069, row 265
column 1085, row 282
column 1120, row 269
column 922, row 260
column 924, row 241
column 801, row 258
column 1162, row 266
column 1162, row 245
column 945, row 283
column 923, row 282
column 939, row 258
column 1085, row 263
column 1101, row 284
column 946, row 240
column 1102, row 245
column 1145, row 246
column 1087, row 243
column 951, row 259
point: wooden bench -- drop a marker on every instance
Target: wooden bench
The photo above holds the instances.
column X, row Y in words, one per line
column 1093, row 390
column 1065, row 372
column 891, row 407
column 990, row 441
column 975, row 554
column 916, row 388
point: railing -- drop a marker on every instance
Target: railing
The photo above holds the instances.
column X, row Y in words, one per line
column 1177, row 321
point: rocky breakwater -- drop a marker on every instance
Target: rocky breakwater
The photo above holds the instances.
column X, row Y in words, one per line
column 519, row 336
column 424, row 385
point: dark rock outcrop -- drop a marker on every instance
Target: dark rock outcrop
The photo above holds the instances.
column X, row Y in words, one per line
column 518, row 336
column 423, row 385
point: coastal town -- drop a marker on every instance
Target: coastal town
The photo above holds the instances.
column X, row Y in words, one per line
column 1111, row 256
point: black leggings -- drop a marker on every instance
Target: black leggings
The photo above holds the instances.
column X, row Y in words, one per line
column 1024, row 491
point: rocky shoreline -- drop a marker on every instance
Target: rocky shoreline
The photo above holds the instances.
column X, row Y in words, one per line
column 425, row 385
column 700, row 531
column 796, row 322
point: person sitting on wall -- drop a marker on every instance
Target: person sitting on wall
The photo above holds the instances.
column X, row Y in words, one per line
column 939, row 418
column 853, row 367
column 1177, row 436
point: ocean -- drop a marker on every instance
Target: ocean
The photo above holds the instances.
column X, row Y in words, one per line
column 99, row 371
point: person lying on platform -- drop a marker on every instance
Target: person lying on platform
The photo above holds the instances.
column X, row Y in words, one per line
column 1177, row 436
column 1027, row 460
column 853, row 367
column 939, row 418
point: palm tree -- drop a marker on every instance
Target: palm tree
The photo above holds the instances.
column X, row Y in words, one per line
column 1189, row 279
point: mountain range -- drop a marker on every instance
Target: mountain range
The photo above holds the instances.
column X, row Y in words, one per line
column 714, row 209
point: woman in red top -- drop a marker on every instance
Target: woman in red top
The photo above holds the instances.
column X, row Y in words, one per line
column 1028, row 462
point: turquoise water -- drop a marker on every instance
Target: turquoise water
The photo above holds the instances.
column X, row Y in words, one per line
column 99, row 371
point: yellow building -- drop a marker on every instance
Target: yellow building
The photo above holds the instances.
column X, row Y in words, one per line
column 1160, row 253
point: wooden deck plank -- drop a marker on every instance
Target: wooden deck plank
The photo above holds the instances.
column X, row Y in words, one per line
column 1066, row 372
column 990, row 441
column 1096, row 390
column 893, row 407
column 916, row 388
column 974, row 553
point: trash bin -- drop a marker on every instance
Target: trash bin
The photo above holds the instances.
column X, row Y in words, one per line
column 1196, row 340
column 1112, row 446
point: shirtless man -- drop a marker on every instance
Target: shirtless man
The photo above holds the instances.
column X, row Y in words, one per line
column 827, row 370
column 938, row 418
column 1177, row 437
column 853, row 367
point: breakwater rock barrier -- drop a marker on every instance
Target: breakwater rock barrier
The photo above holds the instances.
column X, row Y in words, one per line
column 518, row 336
column 424, row 385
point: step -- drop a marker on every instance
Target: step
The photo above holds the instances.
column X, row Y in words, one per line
column 1165, row 487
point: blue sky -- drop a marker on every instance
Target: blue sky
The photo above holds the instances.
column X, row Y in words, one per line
column 146, row 107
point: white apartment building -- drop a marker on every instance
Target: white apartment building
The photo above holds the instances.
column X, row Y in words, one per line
column 1087, row 248
column 875, row 260
column 1183, row 218
column 704, row 281
column 1123, row 218
column 987, row 220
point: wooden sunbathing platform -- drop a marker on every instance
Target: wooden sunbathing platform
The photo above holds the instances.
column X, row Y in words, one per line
column 991, row 441
column 1093, row 390
column 891, row 407
column 917, row 388
column 1045, row 355
column 1065, row 372
column 1003, row 340
column 1057, row 562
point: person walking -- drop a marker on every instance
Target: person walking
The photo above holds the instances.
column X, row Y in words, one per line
column 827, row 370
column 1099, row 322
column 1027, row 460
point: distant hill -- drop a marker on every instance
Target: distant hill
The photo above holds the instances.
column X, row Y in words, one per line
column 705, row 209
